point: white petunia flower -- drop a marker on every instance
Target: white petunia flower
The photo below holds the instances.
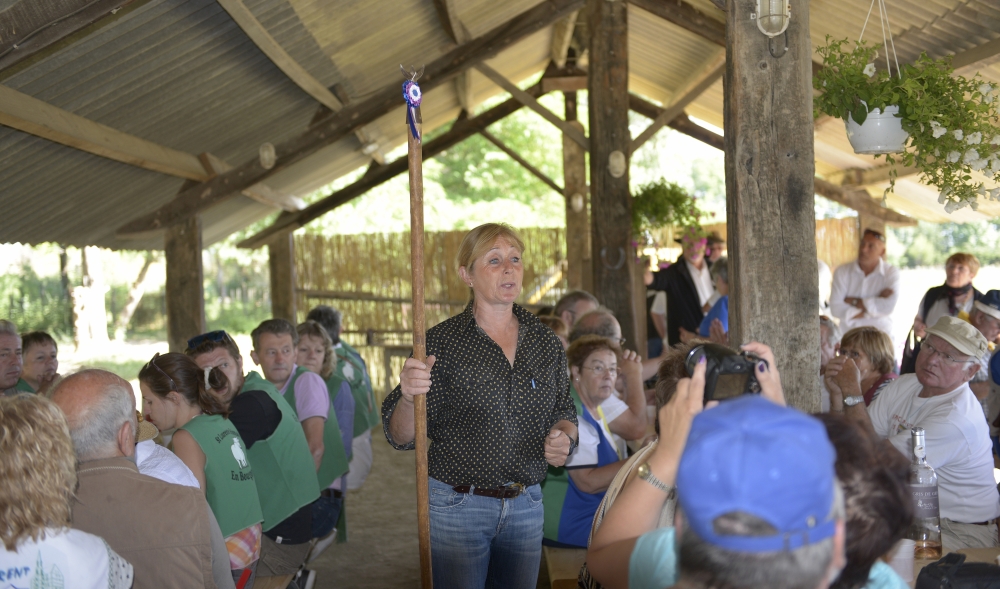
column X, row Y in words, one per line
column 950, row 207
column 985, row 89
column 995, row 193
column 977, row 165
column 953, row 156
column 974, row 138
column 995, row 140
column 995, row 163
column 937, row 152
column 970, row 156
column 870, row 70
column 938, row 131
column 975, row 205
column 988, row 99
column 942, row 197
column 935, row 124
column 958, row 134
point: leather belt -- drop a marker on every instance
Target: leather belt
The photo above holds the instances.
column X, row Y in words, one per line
column 332, row 493
column 508, row 492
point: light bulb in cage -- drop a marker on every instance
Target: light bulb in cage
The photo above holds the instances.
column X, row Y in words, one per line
column 773, row 16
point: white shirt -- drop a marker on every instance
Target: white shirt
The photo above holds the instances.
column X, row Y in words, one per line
column 156, row 461
column 64, row 558
column 659, row 306
column 939, row 309
column 825, row 286
column 850, row 281
column 958, row 444
column 702, row 281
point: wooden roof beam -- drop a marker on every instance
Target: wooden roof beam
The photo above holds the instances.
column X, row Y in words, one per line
column 524, row 163
column 562, row 36
column 376, row 175
column 862, row 202
column 527, row 100
column 31, row 26
column 453, row 27
column 869, row 176
column 709, row 75
column 680, row 123
column 976, row 54
column 352, row 117
column 30, row 115
column 287, row 64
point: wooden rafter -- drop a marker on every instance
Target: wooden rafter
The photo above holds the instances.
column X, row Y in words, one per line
column 976, row 54
column 352, row 117
column 562, row 35
column 30, row 26
column 680, row 123
column 532, row 103
column 860, row 201
column 287, row 64
column 524, row 163
column 30, row 115
column 376, row 175
column 709, row 75
column 869, row 176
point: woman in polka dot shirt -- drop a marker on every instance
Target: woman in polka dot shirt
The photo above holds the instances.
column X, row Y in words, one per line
column 498, row 413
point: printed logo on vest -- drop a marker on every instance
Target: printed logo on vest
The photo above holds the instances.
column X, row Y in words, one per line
column 238, row 454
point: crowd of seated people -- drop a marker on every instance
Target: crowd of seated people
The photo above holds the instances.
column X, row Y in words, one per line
column 248, row 471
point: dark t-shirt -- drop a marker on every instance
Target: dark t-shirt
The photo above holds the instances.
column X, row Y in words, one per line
column 256, row 417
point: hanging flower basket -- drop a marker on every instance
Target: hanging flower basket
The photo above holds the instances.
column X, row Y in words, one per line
column 882, row 132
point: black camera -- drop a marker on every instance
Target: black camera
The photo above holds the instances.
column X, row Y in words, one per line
column 727, row 375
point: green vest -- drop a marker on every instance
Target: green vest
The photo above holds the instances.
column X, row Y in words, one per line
column 23, row 386
column 286, row 473
column 229, row 481
column 366, row 411
column 334, row 462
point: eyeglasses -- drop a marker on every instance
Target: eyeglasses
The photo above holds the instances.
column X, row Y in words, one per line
column 600, row 369
column 152, row 363
column 852, row 354
column 212, row 336
column 946, row 357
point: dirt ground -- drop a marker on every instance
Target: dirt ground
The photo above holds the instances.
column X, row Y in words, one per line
column 382, row 550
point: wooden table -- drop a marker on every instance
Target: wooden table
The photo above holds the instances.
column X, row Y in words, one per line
column 971, row 555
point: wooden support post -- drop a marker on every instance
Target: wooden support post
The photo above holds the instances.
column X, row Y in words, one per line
column 610, row 201
column 579, row 274
column 770, row 202
column 281, row 261
column 185, row 289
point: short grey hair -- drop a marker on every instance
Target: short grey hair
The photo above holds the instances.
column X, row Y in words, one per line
column 331, row 319
column 95, row 429
column 8, row 328
column 720, row 269
column 600, row 322
column 832, row 331
column 570, row 299
column 706, row 565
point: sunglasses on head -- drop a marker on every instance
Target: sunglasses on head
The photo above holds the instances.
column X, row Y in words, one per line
column 875, row 234
column 212, row 336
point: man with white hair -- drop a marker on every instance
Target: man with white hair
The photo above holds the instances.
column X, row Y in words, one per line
column 163, row 530
column 11, row 364
column 938, row 399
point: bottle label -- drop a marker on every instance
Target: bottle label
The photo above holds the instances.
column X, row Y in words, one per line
column 925, row 502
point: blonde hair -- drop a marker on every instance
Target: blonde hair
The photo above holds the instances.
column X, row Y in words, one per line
column 968, row 260
column 479, row 241
column 314, row 329
column 873, row 342
column 39, row 467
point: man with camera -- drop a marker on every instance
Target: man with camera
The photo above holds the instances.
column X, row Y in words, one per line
column 755, row 480
column 937, row 398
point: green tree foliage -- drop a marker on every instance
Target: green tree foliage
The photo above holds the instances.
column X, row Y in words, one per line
column 476, row 170
column 930, row 244
column 36, row 303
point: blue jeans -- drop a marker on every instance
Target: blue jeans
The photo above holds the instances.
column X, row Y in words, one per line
column 482, row 542
column 325, row 513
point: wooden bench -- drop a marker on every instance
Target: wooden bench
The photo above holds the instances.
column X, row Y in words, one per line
column 564, row 565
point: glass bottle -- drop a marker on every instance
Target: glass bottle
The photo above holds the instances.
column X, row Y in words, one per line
column 926, row 528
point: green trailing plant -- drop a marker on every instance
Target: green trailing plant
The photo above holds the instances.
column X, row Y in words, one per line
column 952, row 120
column 662, row 203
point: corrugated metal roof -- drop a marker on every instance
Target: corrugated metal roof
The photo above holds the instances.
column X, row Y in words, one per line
column 182, row 74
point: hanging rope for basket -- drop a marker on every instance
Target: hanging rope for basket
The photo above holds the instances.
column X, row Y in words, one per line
column 883, row 14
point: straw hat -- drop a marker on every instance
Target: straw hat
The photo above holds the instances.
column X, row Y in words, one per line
column 146, row 430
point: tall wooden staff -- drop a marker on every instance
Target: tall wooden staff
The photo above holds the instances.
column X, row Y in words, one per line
column 414, row 151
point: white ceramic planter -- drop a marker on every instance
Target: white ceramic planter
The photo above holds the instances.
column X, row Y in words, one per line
column 881, row 133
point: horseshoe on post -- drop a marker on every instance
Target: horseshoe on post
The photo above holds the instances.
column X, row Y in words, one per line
column 617, row 265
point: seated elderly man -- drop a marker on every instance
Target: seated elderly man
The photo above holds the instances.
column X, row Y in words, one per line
column 756, row 484
column 985, row 316
column 11, row 364
column 937, row 398
column 573, row 305
column 164, row 530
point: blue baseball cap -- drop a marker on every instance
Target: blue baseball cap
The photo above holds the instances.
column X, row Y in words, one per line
column 750, row 455
column 989, row 303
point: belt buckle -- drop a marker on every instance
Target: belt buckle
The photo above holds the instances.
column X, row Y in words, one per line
column 518, row 486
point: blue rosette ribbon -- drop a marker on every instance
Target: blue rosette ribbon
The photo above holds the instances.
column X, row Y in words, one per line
column 413, row 96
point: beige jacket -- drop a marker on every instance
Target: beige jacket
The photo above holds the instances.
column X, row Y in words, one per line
column 161, row 529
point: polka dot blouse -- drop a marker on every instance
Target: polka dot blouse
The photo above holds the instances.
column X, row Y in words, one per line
column 487, row 421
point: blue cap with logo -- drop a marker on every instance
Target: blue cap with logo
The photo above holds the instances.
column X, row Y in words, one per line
column 752, row 456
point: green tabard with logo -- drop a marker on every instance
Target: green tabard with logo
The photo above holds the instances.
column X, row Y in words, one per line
column 366, row 412
column 229, row 480
column 286, row 473
column 334, row 463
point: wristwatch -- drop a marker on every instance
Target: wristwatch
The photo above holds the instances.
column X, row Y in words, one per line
column 647, row 475
column 852, row 401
